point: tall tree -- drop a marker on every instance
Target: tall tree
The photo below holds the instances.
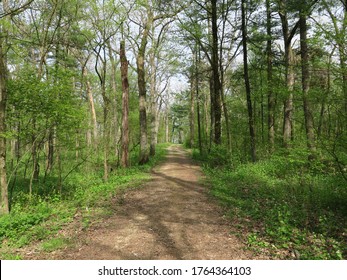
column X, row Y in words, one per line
column 151, row 12
column 339, row 36
column 288, row 35
column 125, row 106
column 4, row 21
column 271, row 99
column 141, row 81
column 310, row 134
column 247, row 82
column 157, row 84
column 215, row 73
column 4, row 207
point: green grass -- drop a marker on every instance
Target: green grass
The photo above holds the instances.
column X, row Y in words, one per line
column 288, row 205
column 40, row 217
column 54, row 244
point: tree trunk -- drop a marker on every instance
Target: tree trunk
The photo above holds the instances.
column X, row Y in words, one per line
column 271, row 99
column 167, row 129
column 192, row 109
column 327, row 86
column 106, row 113
column 247, row 83
column 50, row 154
column 288, row 131
column 197, row 79
column 216, row 81
column 34, row 154
column 222, row 81
column 227, row 121
column 140, row 61
column 144, row 157
column 114, row 129
column 153, row 103
column 212, row 113
column 91, row 107
column 4, row 206
column 125, row 106
column 288, row 104
column 343, row 57
column 310, row 135
column 106, row 136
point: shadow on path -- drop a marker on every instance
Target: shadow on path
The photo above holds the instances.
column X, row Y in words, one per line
column 171, row 217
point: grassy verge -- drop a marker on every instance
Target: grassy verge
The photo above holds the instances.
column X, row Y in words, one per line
column 40, row 218
column 287, row 207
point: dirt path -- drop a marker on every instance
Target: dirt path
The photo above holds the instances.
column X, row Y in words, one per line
column 171, row 217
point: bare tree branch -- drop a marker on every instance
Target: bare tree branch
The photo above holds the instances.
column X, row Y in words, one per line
column 16, row 11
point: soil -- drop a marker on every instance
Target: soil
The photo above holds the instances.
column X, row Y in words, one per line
column 170, row 217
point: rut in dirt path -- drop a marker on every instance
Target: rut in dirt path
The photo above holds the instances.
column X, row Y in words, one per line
column 171, row 217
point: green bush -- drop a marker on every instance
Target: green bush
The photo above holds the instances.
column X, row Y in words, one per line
column 41, row 215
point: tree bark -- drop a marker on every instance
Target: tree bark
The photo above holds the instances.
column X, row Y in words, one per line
column 222, row 79
column 94, row 123
column 271, row 99
column 193, row 87
column 101, row 57
column 167, row 129
column 106, row 137
column 197, row 92
column 310, row 134
column 216, row 79
column 4, row 206
column 125, row 106
column 153, row 101
column 288, row 132
column 343, row 57
column 114, row 129
column 247, row 83
column 141, row 80
column 106, row 118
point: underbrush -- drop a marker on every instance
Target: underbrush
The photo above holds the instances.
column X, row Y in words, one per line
column 40, row 216
column 288, row 204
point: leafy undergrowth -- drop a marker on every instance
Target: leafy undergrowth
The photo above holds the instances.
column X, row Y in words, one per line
column 40, row 218
column 290, row 208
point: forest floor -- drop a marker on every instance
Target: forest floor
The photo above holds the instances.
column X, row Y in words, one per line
column 170, row 217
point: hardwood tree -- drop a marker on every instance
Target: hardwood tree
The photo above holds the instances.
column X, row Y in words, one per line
column 4, row 207
column 289, row 62
column 247, row 82
column 337, row 34
column 150, row 12
column 7, row 13
column 159, row 74
column 270, row 93
column 216, row 79
column 308, row 114
column 125, row 106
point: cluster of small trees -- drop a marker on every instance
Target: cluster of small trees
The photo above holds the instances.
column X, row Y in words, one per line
column 68, row 94
column 280, row 65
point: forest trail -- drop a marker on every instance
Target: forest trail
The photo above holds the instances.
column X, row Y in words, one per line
column 170, row 217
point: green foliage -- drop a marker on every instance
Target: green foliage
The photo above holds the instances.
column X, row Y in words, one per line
column 38, row 105
column 40, row 217
column 54, row 244
column 289, row 204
